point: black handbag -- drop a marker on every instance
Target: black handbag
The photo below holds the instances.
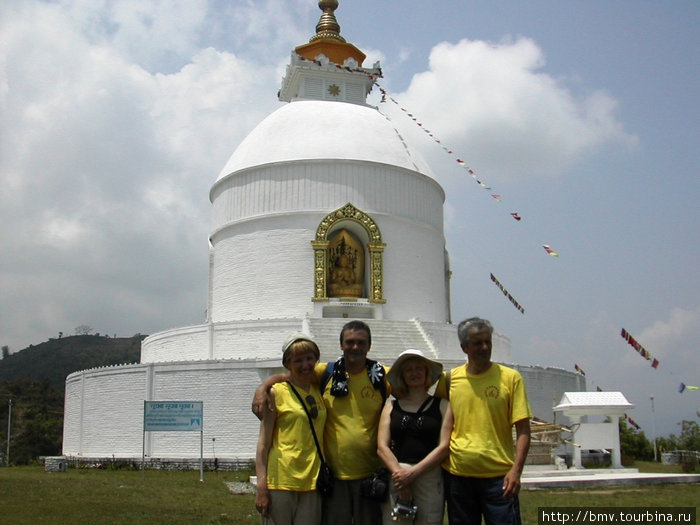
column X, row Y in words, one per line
column 326, row 477
column 325, row 480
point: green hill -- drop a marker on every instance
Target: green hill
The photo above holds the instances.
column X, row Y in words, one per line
column 33, row 380
column 56, row 358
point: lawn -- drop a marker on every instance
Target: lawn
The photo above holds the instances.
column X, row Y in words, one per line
column 29, row 495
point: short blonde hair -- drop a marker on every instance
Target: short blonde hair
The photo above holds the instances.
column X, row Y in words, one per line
column 298, row 347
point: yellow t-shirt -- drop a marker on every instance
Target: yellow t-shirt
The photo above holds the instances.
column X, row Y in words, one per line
column 293, row 462
column 350, row 442
column 485, row 407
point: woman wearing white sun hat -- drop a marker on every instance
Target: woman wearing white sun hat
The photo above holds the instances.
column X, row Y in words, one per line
column 413, row 439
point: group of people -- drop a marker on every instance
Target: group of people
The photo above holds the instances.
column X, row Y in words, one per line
column 358, row 417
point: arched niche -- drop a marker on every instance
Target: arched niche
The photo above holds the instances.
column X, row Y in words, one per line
column 358, row 224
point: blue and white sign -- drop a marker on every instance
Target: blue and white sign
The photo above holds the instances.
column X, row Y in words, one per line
column 172, row 416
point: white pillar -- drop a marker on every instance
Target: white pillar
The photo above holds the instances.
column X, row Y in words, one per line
column 576, row 462
column 615, row 452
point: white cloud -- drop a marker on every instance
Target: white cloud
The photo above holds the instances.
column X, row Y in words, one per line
column 676, row 338
column 493, row 100
column 109, row 166
column 151, row 34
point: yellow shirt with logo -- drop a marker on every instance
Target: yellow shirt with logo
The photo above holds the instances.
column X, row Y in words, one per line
column 350, row 442
column 293, row 462
column 485, row 407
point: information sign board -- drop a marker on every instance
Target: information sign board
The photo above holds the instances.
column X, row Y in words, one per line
column 172, row 416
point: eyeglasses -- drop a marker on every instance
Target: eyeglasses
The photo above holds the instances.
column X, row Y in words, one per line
column 313, row 409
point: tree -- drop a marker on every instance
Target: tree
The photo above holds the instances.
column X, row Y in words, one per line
column 5, row 351
column 666, row 444
column 37, row 419
column 83, row 329
column 634, row 443
column 690, row 435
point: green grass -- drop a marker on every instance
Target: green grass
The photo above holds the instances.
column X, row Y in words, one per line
column 629, row 496
column 29, row 495
column 658, row 468
column 676, row 495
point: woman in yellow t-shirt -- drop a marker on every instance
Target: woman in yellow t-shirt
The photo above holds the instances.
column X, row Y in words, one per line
column 287, row 462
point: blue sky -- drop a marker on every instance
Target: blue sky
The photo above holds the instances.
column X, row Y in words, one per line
column 116, row 118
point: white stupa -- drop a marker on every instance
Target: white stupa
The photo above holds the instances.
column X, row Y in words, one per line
column 322, row 214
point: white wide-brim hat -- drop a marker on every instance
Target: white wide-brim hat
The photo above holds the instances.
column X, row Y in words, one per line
column 394, row 374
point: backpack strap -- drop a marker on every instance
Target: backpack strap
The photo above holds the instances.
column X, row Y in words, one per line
column 382, row 389
column 448, row 380
column 326, row 376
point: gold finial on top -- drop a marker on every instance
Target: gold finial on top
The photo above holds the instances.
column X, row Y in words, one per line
column 328, row 26
column 327, row 40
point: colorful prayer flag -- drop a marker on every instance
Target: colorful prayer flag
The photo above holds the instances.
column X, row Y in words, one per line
column 682, row 387
column 550, row 251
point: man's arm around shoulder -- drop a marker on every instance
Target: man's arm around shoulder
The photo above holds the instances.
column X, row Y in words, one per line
column 261, row 398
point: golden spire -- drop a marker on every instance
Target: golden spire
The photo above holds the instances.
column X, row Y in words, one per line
column 327, row 40
column 328, row 26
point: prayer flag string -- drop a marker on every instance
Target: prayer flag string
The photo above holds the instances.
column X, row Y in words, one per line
column 470, row 170
column 461, row 162
column 683, row 387
column 632, row 422
column 507, row 294
column 639, row 348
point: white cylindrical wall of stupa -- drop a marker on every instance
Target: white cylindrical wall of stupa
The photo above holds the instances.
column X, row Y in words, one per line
column 303, row 162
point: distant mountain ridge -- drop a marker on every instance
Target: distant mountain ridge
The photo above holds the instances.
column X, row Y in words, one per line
column 57, row 358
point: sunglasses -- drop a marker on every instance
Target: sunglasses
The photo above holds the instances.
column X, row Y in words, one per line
column 313, row 409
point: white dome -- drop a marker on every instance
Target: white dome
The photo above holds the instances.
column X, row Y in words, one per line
column 313, row 129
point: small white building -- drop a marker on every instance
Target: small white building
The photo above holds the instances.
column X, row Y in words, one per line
column 577, row 406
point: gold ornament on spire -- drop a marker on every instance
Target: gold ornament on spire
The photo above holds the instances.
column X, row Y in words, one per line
column 328, row 26
column 327, row 40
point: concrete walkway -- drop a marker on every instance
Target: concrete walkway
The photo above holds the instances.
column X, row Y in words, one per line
column 538, row 478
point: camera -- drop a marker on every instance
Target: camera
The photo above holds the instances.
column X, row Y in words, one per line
column 376, row 487
column 403, row 510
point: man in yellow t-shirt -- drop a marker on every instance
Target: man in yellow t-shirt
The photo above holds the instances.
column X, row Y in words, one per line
column 482, row 470
column 354, row 396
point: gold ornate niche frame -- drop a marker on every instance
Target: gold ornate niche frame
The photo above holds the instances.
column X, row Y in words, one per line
column 349, row 213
